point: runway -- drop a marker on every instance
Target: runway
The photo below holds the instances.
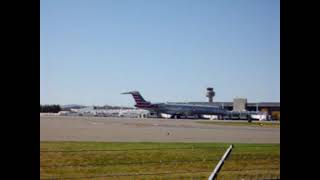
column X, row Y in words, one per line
column 64, row 128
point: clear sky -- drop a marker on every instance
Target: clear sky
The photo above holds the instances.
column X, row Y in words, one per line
column 169, row 50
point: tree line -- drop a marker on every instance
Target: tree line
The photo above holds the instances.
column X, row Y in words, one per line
column 50, row 108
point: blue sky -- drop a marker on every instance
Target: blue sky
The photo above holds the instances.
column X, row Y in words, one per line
column 169, row 50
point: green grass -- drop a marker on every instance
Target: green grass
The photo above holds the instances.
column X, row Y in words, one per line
column 198, row 159
column 235, row 123
column 252, row 161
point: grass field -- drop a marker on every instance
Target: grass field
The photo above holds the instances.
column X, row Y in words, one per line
column 235, row 123
column 102, row 160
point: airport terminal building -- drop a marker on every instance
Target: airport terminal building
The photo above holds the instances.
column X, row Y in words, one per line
column 241, row 104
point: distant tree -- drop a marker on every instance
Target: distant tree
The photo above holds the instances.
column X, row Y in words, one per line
column 50, row 108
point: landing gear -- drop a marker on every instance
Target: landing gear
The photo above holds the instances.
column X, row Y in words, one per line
column 249, row 119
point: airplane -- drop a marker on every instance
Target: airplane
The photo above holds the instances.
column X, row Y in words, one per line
column 174, row 110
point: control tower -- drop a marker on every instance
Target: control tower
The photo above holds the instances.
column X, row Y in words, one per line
column 210, row 94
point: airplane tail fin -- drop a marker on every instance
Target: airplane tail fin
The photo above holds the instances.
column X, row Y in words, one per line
column 140, row 102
